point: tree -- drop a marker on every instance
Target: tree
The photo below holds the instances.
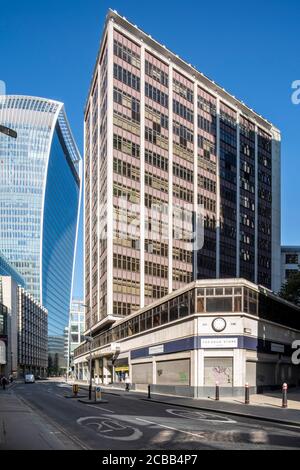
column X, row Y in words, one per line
column 291, row 289
column 56, row 364
column 50, row 365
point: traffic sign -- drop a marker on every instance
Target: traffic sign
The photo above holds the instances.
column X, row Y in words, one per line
column 97, row 394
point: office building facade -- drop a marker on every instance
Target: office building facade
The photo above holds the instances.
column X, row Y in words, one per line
column 6, row 269
column 160, row 137
column 229, row 331
column 26, row 325
column 75, row 330
column 32, row 335
column 39, row 201
column 290, row 262
column 3, row 339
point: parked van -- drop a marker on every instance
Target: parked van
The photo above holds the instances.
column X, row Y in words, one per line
column 29, row 379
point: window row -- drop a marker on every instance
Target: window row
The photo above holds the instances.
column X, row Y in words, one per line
column 156, row 95
column 126, row 146
column 156, row 73
column 154, row 159
column 126, row 262
column 183, row 111
column 126, row 77
column 126, row 54
column 126, row 169
column 157, row 270
column 183, row 91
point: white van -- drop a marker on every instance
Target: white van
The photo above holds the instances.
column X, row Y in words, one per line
column 29, row 379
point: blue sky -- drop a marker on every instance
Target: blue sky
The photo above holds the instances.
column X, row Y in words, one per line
column 48, row 48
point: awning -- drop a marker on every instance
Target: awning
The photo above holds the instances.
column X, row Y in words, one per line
column 122, row 369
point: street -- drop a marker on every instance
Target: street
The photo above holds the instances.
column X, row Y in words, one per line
column 126, row 422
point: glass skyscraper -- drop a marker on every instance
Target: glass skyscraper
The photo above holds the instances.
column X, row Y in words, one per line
column 40, row 174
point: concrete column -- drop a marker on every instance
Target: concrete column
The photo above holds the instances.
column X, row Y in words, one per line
column 200, row 359
column 106, row 372
column 239, row 367
column 218, row 214
column 154, row 370
column 194, row 368
column 129, row 368
column 97, row 369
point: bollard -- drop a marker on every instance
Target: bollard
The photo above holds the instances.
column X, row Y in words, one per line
column 217, row 391
column 284, row 396
column 75, row 390
column 247, row 394
column 98, row 393
column 149, row 392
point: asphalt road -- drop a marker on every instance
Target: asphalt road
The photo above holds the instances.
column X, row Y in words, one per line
column 126, row 422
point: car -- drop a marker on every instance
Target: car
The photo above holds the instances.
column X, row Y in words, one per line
column 29, row 379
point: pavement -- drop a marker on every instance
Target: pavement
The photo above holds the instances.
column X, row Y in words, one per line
column 267, row 407
column 38, row 416
column 21, row 426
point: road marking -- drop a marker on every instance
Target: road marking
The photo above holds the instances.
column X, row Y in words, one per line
column 57, row 395
column 201, row 416
column 100, row 408
column 172, row 429
column 106, row 427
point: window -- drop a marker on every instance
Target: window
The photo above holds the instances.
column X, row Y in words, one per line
column 156, row 95
column 156, row 73
column 126, row 54
column 183, row 111
column 149, row 320
column 173, row 309
column 164, row 315
column 183, row 305
column 126, row 77
column 291, row 258
column 184, row 133
column 156, row 317
column 219, row 304
column 183, row 90
column 126, row 146
column 143, row 322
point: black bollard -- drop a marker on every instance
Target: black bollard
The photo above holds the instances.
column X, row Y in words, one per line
column 247, row 394
column 149, row 391
column 217, row 391
column 284, row 396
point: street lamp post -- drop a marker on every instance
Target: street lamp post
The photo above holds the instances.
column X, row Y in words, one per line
column 90, row 340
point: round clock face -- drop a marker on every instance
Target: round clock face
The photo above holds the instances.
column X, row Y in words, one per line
column 219, row 324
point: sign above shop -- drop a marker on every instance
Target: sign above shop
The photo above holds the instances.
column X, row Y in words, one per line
column 277, row 347
column 216, row 343
column 156, row 349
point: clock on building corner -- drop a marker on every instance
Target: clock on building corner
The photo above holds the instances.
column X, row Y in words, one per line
column 219, row 324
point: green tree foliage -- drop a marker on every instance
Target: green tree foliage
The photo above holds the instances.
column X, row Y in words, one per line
column 291, row 289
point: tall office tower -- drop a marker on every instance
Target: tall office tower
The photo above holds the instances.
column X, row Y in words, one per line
column 39, row 201
column 160, row 135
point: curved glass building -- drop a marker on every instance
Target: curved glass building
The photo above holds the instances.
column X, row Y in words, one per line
column 40, row 173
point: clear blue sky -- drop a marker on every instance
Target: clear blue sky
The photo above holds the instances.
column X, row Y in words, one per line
column 48, row 48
